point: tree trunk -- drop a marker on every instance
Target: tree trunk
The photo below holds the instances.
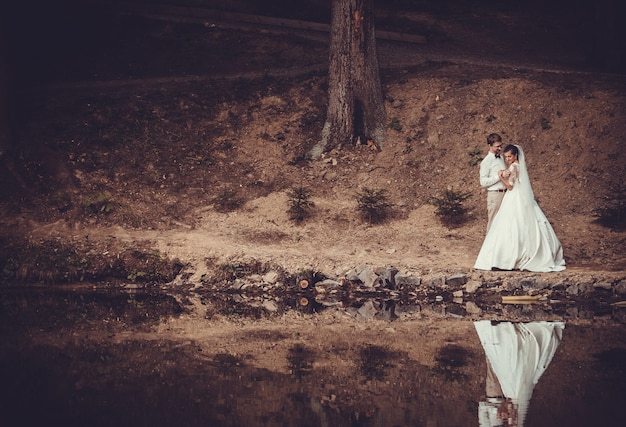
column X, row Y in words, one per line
column 356, row 110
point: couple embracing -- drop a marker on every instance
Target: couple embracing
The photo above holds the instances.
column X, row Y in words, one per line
column 519, row 236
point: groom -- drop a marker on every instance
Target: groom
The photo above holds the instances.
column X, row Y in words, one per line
column 489, row 179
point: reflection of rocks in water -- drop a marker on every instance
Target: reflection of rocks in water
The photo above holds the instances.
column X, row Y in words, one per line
column 371, row 308
column 456, row 310
column 387, row 294
column 303, row 304
column 237, row 305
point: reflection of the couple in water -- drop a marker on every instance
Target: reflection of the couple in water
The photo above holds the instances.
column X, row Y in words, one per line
column 517, row 355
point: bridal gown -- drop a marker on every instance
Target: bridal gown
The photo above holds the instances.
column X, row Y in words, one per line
column 520, row 237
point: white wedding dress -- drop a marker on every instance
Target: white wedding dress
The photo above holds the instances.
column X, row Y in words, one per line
column 520, row 237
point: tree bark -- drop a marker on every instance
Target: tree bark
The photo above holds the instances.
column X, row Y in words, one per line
column 356, row 110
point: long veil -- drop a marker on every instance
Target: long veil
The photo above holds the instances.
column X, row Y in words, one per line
column 527, row 196
column 547, row 250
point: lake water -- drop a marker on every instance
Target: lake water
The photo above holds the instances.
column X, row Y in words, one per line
column 111, row 358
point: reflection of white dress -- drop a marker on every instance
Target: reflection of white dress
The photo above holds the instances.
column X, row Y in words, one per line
column 519, row 354
column 520, row 237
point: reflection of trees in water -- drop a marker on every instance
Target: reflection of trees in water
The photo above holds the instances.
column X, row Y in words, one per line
column 374, row 361
column 227, row 362
column 450, row 359
column 300, row 360
column 611, row 364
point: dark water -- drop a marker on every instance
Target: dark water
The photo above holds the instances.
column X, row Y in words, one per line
column 62, row 362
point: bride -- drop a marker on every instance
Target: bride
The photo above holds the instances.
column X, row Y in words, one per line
column 520, row 238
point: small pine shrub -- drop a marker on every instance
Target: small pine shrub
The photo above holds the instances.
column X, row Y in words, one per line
column 373, row 205
column 613, row 213
column 475, row 156
column 300, row 204
column 450, row 207
column 545, row 124
column 395, row 124
column 101, row 203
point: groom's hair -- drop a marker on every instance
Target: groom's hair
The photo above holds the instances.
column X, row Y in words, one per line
column 494, row 137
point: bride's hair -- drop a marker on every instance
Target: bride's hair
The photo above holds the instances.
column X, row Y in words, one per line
column 512, row 149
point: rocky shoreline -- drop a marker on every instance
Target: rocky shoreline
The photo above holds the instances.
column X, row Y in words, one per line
column 386, row 293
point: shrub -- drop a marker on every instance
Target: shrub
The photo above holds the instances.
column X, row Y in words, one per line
column 450, row 207
column 475, row 156
column 395, row 124
column 613, row 213
column 545, row 124
column 101, row 203
column 300, row 204
column 373, row 205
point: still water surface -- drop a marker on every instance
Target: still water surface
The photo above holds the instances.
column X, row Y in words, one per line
column 94, row 358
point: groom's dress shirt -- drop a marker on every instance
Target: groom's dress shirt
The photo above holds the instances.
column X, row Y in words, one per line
column 489, row 168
